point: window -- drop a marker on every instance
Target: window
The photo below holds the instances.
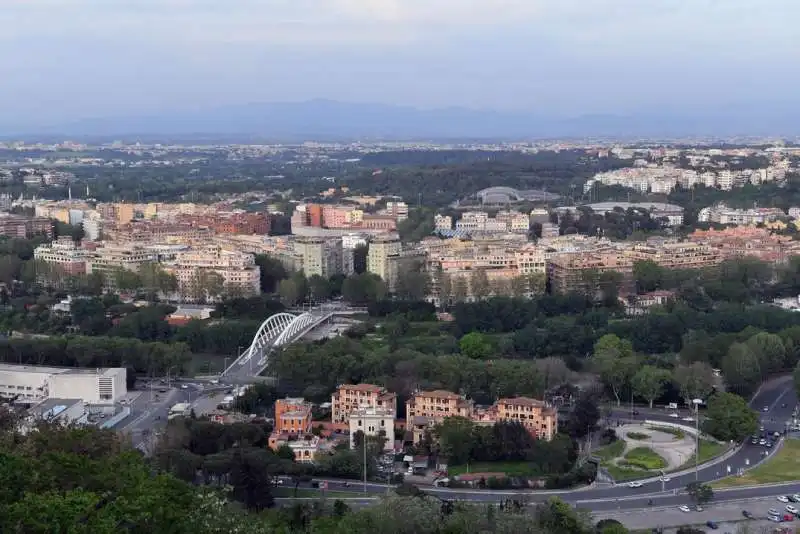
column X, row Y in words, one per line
column 383, row 422
column 359, row 422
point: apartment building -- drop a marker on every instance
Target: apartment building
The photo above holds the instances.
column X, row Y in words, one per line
column 442, row 222
column 112, row 257
column 577, row 271
column 426, row 409
column 349, row 397
column 320, row 256
column 747, row 241
column 676, row 254
column 236, row 269
column 381, row 248
column 292, row 416
column 536, row 416
column 398, row 210
column 21, row 227
column 721, row 214
column 373, row 422
column 63, row 253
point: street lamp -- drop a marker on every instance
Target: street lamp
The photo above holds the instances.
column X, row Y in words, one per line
column 697, row 403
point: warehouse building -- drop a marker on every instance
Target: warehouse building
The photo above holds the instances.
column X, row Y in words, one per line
column 32, row 383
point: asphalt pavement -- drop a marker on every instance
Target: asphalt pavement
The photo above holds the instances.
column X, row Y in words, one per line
column 772, row 395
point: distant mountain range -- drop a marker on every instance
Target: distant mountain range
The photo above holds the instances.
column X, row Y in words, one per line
column 331, row 120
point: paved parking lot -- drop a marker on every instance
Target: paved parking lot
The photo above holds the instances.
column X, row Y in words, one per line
column 728, row 515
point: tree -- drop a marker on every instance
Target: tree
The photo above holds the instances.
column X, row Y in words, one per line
column 694, row 381
column 272, row 272
column 319, row 288
column 729, row 418
column 455, row 439
column 648, row 276
column 615, row 362
column 700, row 493
column 479, row 284
column 475, row 345
column 741, row 368
column 583, row 418
column 289, row 292
column 770, row 350
column 649, row 382
column 460, row 289
column 127, row 280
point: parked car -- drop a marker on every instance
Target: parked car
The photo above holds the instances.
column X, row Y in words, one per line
column 783, row 498
column 747, row 514
column 791, row 509
column 712, row 525
column 635, row 485
column 684, row 508
column 773, row 511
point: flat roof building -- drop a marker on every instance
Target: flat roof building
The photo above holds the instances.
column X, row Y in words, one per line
column 35, row 383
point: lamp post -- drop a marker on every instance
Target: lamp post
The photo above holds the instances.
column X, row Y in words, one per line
column 697, row 403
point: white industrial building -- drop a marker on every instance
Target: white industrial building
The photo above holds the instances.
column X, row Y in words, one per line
column 33, row 383
column 372, row 421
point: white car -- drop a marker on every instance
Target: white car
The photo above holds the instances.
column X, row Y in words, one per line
column 791, row 509
column 639, row 485
column 783, row 498
column 684, row 509
column 796, row 497
column 688, row 419
column 665, row 479
column 674, row 415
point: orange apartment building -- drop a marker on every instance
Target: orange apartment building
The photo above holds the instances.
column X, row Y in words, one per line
column 292, row 416
column 535, row 415
column 348, row 397
column 429, row 408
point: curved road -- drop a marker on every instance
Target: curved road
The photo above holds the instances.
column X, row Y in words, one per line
column 773, row 395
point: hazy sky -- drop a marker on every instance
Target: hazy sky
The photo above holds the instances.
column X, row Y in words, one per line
column 81, row 58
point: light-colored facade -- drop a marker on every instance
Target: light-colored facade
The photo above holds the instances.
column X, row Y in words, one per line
column 237, row 269
column 349, row 397
column 65, row 254
column 373, row 422
column 111, row 257
column 92, row 386
column 320, row 256
column 380, row 249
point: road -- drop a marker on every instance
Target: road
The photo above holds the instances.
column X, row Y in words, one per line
column 773, row 395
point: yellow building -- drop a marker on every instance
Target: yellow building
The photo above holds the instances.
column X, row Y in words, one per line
column 535, row 415
column 349, row 397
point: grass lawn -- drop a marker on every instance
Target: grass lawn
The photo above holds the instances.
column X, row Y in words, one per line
column 678, row 433
column 306, row 492
column 638, row 435
column 509, row 468
column 622, row 474
column 783, row 467
column 644, row 458
column 610, row 451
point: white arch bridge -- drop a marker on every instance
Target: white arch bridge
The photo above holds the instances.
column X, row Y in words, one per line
column 279, row 330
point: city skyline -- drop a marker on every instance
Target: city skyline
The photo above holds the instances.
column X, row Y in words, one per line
column 90, row 59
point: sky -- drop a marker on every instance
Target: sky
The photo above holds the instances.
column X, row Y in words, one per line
column 67, row 59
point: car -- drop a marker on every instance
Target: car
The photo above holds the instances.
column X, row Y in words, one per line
column 665, row 479
column 773, row 511
column 674, row 415
column 776, row 435
column 747, row 514
column 765, row 409
column 698, row 508
column 635, row 485
column 788, row 517
column 795, row 497
column 768, row 444
column 762, row 442
column 774, row 518
column 783, row 498
column 184, row 386
column 684, row 508
column 791, row 509
column 761, row 429
column 712, row 525
column 688, row 418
